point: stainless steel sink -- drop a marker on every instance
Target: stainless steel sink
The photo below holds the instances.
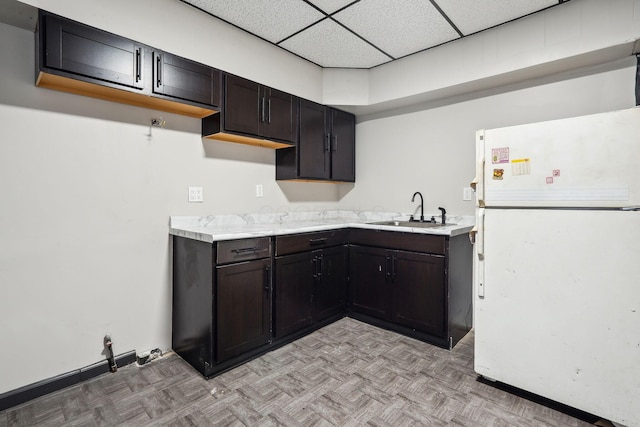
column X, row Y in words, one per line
column 414, row 224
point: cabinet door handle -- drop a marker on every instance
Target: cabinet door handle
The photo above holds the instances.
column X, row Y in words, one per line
column 267, row 279
column 269, row 111
column 387, row 267
column 158, row 67
column 393, row 268
column 335, row 143
column 319, row 268
column 327, row 145
column 262, row 108
column 138, row 64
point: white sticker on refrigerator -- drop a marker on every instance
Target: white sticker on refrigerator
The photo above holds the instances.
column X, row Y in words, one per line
column 500, row 155
column 520, row 167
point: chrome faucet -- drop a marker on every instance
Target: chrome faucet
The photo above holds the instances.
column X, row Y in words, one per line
column 421, row 205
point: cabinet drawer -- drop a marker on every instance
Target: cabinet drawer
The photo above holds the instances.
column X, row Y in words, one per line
column 416, row 242
column 309, row 241
column 243, row 250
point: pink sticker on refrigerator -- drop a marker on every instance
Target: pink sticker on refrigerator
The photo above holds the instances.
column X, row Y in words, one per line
column 500, row 155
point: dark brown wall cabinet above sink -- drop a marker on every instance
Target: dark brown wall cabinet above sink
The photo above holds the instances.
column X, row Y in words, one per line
column 254, row 114
column 326, row 146
column 76, row 58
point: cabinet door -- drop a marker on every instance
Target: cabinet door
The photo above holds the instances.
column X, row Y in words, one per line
column 90, row 52
column 368, row 280
column 343, row 146
column 184, row 79
column 418, row 291
column 331, row 280
column 293, row 293
column 242, row 109
column 313, row 145
column 279, row 115
column 243, row 307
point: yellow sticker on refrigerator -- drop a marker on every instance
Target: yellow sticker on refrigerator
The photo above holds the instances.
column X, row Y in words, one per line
column 520, row 167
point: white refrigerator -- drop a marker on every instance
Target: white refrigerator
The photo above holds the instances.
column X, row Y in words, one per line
column 557, row 266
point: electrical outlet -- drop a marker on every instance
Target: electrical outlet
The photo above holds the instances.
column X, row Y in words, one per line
column 259, row 190
column 196, row 195
column 467, row 193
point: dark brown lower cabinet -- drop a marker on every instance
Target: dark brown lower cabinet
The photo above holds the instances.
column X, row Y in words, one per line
column 243, row 307
column 330, row 289
column 221, row 301
column 293, row 293
column 416, row 284
column 310, row 286
column 234, row 300
column 406, row 288
column 417, row 291
column 368, row 281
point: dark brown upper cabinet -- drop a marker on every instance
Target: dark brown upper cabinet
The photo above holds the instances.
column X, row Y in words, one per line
column 181, row 78
column 254, row 114
column 325, row 149
column 76, row 58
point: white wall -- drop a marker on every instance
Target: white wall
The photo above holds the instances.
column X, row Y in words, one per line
column 86, row 193
column 86, row 197
column 431, row 147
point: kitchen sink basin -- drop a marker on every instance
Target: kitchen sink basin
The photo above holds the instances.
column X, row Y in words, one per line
column 414, row 224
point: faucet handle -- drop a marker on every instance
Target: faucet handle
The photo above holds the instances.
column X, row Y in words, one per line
column 444, row 214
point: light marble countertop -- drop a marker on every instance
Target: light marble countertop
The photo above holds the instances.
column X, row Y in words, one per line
column 214, row 228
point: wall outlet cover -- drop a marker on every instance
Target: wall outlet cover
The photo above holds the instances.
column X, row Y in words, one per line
column 196, row 195
column 467, row 194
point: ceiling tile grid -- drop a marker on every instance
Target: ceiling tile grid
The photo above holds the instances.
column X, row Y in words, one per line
column 471, row 16
column 365, row 33
column 272, row 20
column 328, row 44
column 330, row 6
column 399, row 27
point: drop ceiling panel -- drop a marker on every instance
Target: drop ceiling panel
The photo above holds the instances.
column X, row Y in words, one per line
column 398, row 27
column 365, row 33
column 471, row 16
column 273, row 20
column 328, row 44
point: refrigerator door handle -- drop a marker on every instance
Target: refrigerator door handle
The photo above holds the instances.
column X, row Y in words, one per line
column 480, row 233
column 480, row 253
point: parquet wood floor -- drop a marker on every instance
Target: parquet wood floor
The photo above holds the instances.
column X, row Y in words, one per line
column 346, row 374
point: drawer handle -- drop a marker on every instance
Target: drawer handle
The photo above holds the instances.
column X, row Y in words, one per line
column 243, row 251
column 318, row 242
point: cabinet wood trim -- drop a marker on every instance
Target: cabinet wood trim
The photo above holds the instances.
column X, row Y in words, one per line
column 79, row 87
